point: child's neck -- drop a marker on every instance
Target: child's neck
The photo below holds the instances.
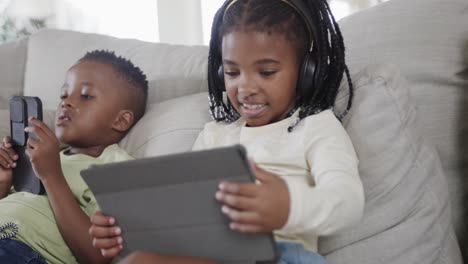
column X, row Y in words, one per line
column 94, row 151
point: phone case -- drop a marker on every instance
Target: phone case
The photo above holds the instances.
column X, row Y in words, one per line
column 21, row 108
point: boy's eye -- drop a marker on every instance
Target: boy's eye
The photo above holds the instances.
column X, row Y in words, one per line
column 63, row 96
column 86, row 96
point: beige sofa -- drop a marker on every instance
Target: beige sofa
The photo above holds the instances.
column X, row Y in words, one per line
column 409, row 63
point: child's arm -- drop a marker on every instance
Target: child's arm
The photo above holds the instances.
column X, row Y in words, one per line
column 73, row 223
column 7, row 162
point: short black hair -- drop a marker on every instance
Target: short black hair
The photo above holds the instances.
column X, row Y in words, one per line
column 132, row 74
column 276, row 16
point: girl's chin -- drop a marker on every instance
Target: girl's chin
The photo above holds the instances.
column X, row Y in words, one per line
column 256, row 122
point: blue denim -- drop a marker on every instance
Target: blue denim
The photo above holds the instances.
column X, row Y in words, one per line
column 16, row 252
column 295, row 253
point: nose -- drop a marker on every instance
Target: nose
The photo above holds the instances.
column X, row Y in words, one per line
column 247, row 86
column 66, row 102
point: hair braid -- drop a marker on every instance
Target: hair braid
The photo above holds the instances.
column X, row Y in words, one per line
column 340, row 42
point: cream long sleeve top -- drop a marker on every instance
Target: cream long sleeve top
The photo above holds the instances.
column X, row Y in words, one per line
column 318, row 163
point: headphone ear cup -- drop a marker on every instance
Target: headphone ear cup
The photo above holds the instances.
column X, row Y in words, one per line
column 221, row 77
column 306, row 83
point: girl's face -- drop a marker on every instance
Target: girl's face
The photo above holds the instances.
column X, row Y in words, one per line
column 260, row 74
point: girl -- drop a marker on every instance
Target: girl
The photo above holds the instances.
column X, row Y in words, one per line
column 279, row 63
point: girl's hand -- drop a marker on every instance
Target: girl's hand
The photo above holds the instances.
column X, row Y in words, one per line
column 106, row 236
column 43, row 151
column 255, row 208
column 8, row 158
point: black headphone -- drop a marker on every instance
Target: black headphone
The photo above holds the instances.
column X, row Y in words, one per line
column 309, row 79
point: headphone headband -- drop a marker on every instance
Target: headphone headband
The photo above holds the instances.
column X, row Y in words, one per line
column 298, row 7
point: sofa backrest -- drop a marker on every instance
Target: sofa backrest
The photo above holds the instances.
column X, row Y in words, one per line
column 172, row 70
column 12, row 67
column 428, row 41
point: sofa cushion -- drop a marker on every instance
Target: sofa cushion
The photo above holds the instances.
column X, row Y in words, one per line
column 428, row 41
column 406, row 217
column 12, row 65
column 172, row 70
column 5, row 120
column 168, row 127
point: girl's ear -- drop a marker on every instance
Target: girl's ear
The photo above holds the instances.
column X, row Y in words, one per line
column 123, row 121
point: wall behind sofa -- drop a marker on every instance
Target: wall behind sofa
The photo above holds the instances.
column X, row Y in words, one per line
column 185, row 22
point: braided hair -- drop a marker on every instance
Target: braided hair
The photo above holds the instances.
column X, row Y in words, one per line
column 280, row 17
column 130, row 73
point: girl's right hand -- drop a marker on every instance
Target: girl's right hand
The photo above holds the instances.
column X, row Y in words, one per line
column 8, row 158
column 106, row 235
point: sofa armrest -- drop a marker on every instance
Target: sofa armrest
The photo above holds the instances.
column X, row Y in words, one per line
column 12, row 67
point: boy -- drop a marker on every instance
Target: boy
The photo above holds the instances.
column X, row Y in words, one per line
column 102, row 98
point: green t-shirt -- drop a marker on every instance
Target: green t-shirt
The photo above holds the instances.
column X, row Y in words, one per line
column 34, row 216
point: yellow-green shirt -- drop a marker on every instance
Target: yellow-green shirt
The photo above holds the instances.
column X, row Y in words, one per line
column 34, row 216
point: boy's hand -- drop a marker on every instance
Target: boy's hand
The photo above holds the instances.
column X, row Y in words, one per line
column 255, row 208
column 43, row 152
column 8, row 159
column 106, row 236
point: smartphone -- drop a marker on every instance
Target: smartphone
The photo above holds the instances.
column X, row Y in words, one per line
column 21, row 108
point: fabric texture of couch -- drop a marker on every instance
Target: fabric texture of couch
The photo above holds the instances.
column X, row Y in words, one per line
column 409, row 64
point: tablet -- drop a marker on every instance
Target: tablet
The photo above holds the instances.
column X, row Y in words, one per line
column 167, row 205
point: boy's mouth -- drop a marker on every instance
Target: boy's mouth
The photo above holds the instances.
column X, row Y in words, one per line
column 63, row 118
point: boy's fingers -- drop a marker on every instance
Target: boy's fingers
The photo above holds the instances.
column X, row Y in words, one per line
column 112, row 252
column 107, row 243
column 5, row 157
column 10, row 152
column 42, row 126
column 104, row 232
column 101, row 220
column 6, row 141
column 41, row 135
column 4, row 163
column 32, row 143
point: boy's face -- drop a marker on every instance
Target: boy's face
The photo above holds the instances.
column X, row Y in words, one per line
column 261, row 73
column 91, row 99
